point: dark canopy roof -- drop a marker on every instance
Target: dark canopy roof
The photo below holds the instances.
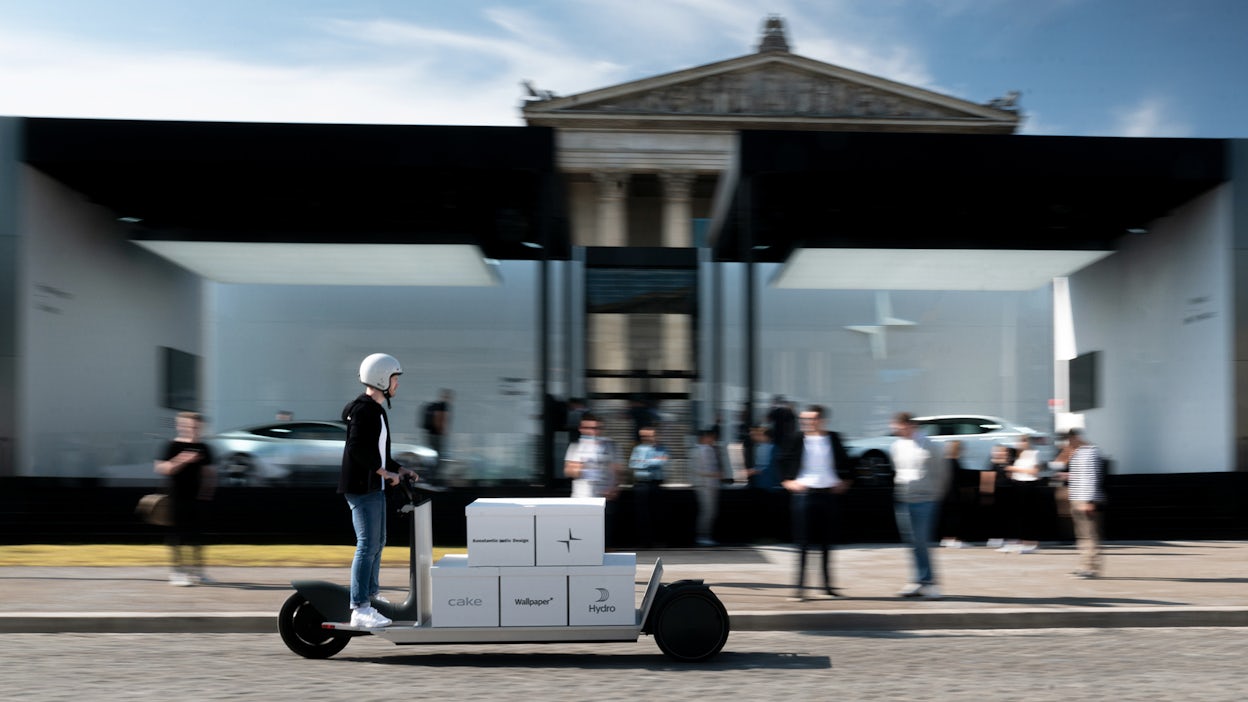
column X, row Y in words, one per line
column 885, row 190
column 496, row 187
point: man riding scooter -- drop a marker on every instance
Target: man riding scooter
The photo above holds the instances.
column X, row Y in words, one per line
column 366, row 467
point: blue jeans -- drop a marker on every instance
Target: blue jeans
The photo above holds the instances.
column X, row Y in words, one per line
column 368, row 515
column 916, row 521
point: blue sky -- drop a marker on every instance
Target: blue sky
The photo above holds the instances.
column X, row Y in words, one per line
column 1084, row 67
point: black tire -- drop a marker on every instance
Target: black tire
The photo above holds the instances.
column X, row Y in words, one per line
column 691, row 624
column 300, row 626
column 876, row 468
column 239, row 469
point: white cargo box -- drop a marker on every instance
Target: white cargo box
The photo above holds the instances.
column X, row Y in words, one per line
column 549, row 531
column 463, row 596
column 605, row 594
column 500, row 533
column 570, row 531
column 533, row 596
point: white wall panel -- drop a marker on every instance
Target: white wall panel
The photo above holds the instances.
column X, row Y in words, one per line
column 1161, row 311
column 95, row 311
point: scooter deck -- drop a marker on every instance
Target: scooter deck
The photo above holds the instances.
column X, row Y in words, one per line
column 408, row 633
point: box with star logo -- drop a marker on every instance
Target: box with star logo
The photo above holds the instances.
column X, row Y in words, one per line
column 570, row 532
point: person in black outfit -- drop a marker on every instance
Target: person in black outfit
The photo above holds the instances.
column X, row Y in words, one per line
column 816, row 470
column 366, row 468
column 996, row 495
column 783, row 421
column 783, row 425
column 960, row 501
column 187, row 463
column 437, row 426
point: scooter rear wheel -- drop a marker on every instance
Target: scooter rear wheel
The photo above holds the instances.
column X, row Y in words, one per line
column 300, row 626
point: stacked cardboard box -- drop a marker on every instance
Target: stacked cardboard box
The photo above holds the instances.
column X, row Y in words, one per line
column 536, row 562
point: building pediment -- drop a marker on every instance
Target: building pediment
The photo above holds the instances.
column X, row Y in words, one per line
column 770, row 90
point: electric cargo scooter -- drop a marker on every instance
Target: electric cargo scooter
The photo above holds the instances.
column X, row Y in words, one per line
column 686, row 619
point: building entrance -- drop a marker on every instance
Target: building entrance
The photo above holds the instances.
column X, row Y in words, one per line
column 641, row 322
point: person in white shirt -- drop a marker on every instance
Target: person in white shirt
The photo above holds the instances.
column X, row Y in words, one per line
column 1029, row 493
column 592, row 462
column 594, row 466
column 816, row 470
column 919, row 483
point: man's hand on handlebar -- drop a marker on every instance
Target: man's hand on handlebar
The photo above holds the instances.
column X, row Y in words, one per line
column 395, row 477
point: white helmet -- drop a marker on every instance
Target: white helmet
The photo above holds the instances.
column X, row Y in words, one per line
column 375, row 371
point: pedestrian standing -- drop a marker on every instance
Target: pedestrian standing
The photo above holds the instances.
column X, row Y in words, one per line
column 593, row 463
column 1029, row 492
column 188, row 464
column 646, row 464
column 436, row 422
column 708, row 476
column 1085, row 481
column 919, row 483
column 960, row 499
column 816, row 470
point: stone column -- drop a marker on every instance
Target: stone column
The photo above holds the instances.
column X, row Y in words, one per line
column 608, row 333
column 612, row 208
column 677, row 342
column 677, row 208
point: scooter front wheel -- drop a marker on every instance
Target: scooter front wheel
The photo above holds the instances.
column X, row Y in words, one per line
column 690, row 623
column 300, row 626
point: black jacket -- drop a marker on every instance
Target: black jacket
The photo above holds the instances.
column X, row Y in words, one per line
column 360, row 458
column 794, row 445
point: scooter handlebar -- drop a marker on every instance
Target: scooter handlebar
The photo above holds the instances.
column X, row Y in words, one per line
column 411, row 483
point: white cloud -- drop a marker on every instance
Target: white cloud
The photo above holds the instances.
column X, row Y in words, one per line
column 60, row 77
column 382, row 72
column 668, row 35
column 896, row 62
column 391, row 71
column 1150, row 117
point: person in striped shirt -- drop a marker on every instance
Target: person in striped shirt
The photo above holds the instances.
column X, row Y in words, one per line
column 1087, row 494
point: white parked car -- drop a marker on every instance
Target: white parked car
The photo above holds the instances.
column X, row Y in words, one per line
column 978, row 434
column 297, row 452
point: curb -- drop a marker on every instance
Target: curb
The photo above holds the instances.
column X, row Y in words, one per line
column 860, row 620
column 1004, row 618
column 140, row 623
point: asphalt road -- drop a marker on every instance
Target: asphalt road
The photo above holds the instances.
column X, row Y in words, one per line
column 1034, row 665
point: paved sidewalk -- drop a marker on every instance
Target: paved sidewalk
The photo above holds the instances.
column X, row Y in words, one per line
column 1173, row 583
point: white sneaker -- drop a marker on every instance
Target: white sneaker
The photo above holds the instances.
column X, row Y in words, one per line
column 929, row 592
column 995, row 543
column 180, row 580
column 1029, row 548
column 911, row 590
column 368, row 618
column 952, row 543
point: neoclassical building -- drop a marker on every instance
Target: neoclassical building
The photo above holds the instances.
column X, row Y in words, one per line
column 642, row 162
